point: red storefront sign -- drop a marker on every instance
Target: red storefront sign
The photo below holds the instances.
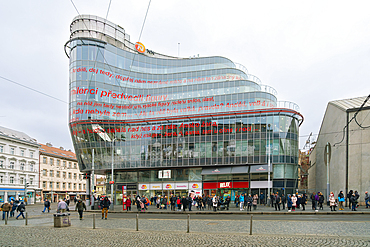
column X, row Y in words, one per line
column 225, row 185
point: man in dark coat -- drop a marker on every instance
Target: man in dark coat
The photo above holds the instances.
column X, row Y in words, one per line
column 283, row 200
column 262, row 199
column 80, row 206
column 184, row 202
column 173, row 202
column 46, row 206
column 21, row 209
column 105, row 207
column 303, row 201
column 277, row 201
column 227, row 201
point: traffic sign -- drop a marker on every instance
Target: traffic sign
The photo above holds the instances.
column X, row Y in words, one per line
column 111, row 182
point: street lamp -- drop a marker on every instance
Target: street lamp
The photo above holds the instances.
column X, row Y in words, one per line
column 268, row 164
column 112, row 180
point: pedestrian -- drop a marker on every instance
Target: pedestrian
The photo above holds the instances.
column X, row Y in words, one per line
column 14, row 207
column 158, row 202
column 80, row 206
column 283, row 201
column 289, row 203
column 317, row 199
column 62, row 206
column 313, row 201
column 341, row 200
column 6, row 207
column 304, row 201
column 349, row 195
column 262, row 199
column 294, row 202
column 173, row 202
column 298, row 201
column 105, row 203
column 321, row 201
column 184, row 202
column 214, row 202
column 75, row 200
column 277, row 200
column 272, row 199
column 236, row 201
column 367, row 199
column 21, row 209
column 138, row 201
column 241, row 201
column 128, row 204
column 189, row 201
column 332, row 201
column 46, row 206
column 178, row 202
column 255, row 201
column 353, row 201
column 249, row 202
column 357, row 195
column 227, row 201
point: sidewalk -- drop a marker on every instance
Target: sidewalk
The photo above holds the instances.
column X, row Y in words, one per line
column 235, row 210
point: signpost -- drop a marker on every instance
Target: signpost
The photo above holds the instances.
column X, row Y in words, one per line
column 327, row 157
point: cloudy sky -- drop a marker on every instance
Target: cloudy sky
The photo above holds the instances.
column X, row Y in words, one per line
column 311, row 53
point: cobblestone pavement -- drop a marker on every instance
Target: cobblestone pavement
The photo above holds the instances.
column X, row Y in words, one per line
column 49, row 236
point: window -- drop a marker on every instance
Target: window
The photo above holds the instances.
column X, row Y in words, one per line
column 64, row 174
column 64, row 164
column 44, row 172
column 69, row 165
column 84, row 186
column 22, row 152
column 51, row 161
column 22, row 166
column 1, row 163
column 57, row 185
column 64, row 185
column 69, row 175
column 69, row 185
column 1, row 179
column 79, row 186
column 31, row 154
column 31, row 167
column 31, row 181
column 12, row 150
column 11, row 180
column 74, row 175
column 51, row 173
column 80, row 176
column 74, row 186
column 58, row 162
column 22, row 180
column 44, row 185
column 44, row 160
column 11, row 166
column 58, row 174
column 1, row 148
column 51, row 185
column 74, row 166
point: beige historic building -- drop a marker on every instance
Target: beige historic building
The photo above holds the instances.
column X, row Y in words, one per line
column 100, row 186
column 60, row 176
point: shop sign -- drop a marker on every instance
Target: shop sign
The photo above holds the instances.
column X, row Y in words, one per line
column 140, row 47
column 131, row 187
column 181, row 186
column 222, row 185
column 195, row 186
column 258, row 168
column 155, row 186
column 143, row 186
column 168, row 186
column 164, row 174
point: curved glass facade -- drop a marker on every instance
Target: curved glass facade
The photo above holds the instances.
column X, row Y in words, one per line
column 148, row 112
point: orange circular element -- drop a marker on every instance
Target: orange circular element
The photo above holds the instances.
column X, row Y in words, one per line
column 140, row 47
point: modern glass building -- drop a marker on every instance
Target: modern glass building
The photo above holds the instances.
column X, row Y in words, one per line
column 171, row 124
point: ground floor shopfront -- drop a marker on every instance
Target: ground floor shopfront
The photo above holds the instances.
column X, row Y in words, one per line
column 18, row 194
column 54, row 196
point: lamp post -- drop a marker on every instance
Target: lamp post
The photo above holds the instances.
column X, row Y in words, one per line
column 268, row 166
column 112, row 180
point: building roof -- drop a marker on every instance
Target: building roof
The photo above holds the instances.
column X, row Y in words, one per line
column 346, row 104
column 57, row 152
column 16, row 135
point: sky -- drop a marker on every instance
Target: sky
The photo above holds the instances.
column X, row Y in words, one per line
column 311, row 52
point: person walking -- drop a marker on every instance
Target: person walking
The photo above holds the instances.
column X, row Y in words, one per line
column 241, row 201
column 367, row 199
column 313, row 201
column 128, row 204
column 249, row 202
column 255, row 201
column 321, row 201
column 21, row 209
column 283, row 201
column 104, row 204
column 62, row 206
column 289, row 203
column 80, row 206
column 14, row 207
column 294, row 202
column 46, row 206
column 304, row 201
column 341, row 200
column 332, row 201
column 6, row 207
column 277, row 200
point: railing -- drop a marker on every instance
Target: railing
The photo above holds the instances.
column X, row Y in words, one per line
column 254, row 78
column 287, row 104
column 268, row 89
column 241, row 67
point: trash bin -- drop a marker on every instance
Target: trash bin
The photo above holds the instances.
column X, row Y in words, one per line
column 62, row 220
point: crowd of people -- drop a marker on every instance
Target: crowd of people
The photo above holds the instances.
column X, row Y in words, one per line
column 9, row 209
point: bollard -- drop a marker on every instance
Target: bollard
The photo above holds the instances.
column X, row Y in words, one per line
column 250, row 231
column 6, row 219
column 137, row 222
column 188, row 223
column 94, row 221
column 26, row 222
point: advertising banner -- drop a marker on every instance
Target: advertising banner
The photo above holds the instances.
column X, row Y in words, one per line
column 195, row 186
column 168, row 186
column 155, row 186
column 181, row 186
column 143, row 186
